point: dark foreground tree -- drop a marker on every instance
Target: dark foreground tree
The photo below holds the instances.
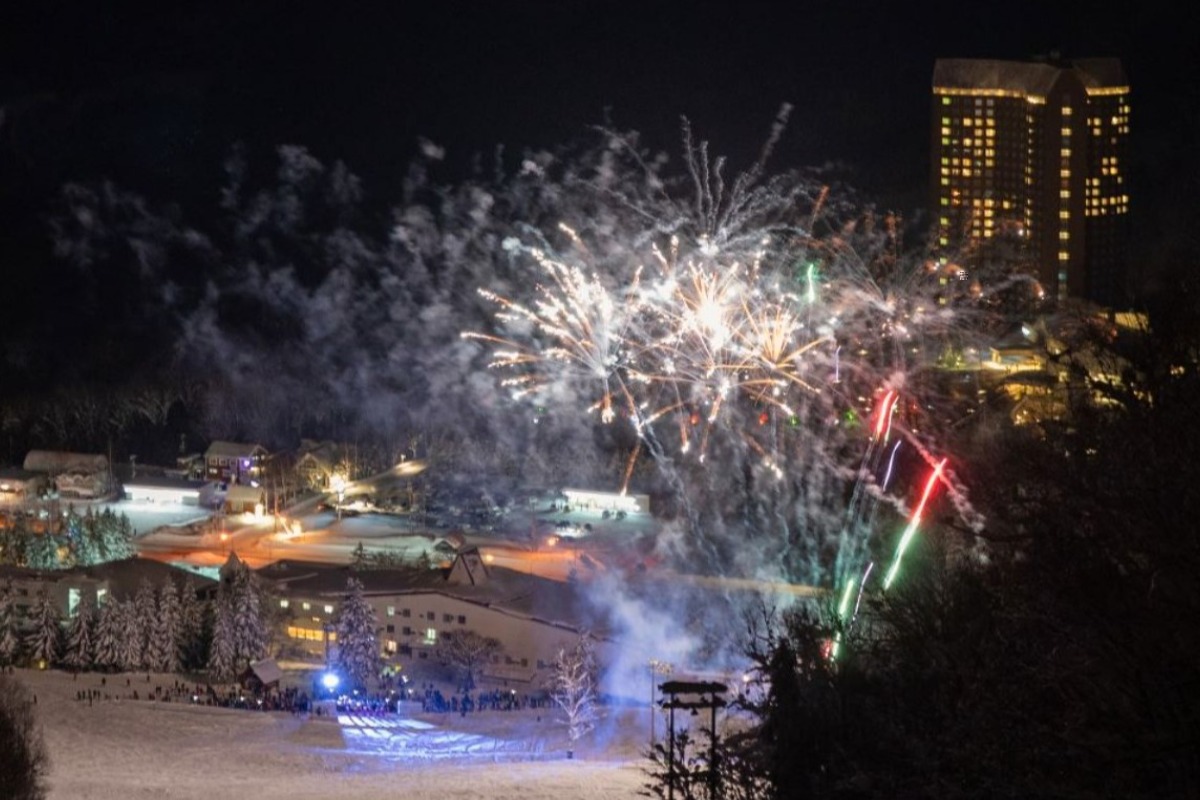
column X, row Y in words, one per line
column 23, row 762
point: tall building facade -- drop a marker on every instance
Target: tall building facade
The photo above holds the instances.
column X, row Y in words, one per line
column 1037, row 153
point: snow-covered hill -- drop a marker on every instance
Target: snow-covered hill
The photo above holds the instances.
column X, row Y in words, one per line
column 118, row 748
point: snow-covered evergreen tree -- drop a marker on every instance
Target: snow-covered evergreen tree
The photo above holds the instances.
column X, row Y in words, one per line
column 109, row 631
column 162, row 650
column 80, row 649
column 87, row 541
column 42, row 551
column 43, row 640
column 114, row 536
column 130, row 647
column 145, row 615
column 222, row 649
column 357, row 645
column 249, row 627
column 10, row 641
column 359, row 559
column 191, row 643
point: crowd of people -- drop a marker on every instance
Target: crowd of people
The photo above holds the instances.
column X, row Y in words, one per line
column 296, row 701
column 495, row 700
column 289, row 699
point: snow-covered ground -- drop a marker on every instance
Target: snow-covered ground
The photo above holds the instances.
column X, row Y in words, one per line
column 126, row 749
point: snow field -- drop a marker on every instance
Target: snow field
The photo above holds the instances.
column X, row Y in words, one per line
column 125, row 749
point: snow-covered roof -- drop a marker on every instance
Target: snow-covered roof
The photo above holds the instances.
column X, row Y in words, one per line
column 126, row 575
column 508, row 591
column 57, row 461
column 267, row 671
column 221, row 449
column 16, row 474
column 165, row 482
column 1029, row 77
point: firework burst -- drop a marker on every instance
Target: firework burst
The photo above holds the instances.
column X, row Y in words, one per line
column 762, row 344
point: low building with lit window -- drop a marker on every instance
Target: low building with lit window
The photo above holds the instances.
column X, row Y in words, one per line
column 65, row 588
column 19, row 487
column 592, row 500
column 75, row 475
column 418, row 609
column 165, row 490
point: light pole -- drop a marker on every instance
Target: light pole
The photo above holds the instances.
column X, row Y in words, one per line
column 338, row 484
column 656, row 668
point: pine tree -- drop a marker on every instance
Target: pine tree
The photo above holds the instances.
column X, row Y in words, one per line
column 81, row 634
column 108, row 635
column 114, row 535
column 359, row 560
column 190, row 643
column 10, row 642
column 222, row 649
column 357, row 646
column 145, row 614
column 42, row 641
column 249, row 629
column 130, row 648
column 42, row 551
column 162, row 652
column 88, row 540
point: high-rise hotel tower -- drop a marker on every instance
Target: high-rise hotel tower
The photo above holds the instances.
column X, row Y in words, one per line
column 1037, row 151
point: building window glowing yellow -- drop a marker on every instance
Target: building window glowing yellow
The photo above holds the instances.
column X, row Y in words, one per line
column 1065, row 194
column 309, row 634
column 1063, row 255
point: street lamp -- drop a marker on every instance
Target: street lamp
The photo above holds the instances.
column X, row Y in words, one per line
column 656, row 668
column 338, row 484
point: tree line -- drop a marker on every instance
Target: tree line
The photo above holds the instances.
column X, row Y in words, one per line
column 80, row 540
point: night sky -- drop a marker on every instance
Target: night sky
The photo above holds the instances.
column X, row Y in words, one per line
column 153, row 95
